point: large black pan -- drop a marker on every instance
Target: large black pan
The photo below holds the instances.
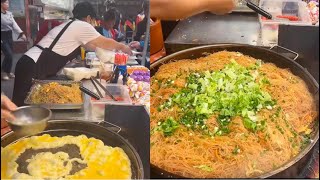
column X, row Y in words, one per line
column 259, row 53
column 75, row 128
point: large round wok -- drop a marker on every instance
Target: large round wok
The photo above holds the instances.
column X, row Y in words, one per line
column 267, row 56
column 71, row 127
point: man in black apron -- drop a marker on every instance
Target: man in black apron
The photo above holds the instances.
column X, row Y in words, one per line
column 50, row 62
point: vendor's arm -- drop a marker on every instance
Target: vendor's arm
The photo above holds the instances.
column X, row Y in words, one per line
column 179, row 9
column 91, row 39
column 18, row 30
column 107, row 43
column 136, row 44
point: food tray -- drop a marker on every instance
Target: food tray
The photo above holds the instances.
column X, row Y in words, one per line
column 38, row 83
column 97, row 107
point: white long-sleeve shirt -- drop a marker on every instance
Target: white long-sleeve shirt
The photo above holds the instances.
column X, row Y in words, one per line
column 8, row 23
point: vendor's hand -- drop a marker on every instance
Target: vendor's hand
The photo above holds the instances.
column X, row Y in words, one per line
column 220, row 7
column 126, row 49
column 106, row 75
column 22, row 36
column 180, row 9
column 6, row 107
column 135, row 45
column 4, row 123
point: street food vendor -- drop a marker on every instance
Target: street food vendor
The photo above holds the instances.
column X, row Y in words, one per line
column 109, row 20
column 179, row 9
column 59, row 46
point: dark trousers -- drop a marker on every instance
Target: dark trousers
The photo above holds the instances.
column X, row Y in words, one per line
column 7, row 49
column 25, row 71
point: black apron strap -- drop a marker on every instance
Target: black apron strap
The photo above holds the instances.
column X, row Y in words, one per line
column 59, row 35
column 40, row 47
column 50, row 62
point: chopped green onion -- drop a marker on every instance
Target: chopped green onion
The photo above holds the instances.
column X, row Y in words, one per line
column 168, row 127
column 229, row 92
column 236, row 150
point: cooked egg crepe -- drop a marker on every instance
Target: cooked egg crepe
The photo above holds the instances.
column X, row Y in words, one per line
column 97, row 160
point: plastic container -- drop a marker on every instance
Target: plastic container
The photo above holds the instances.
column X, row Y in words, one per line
column 79, row 73
column 121, row 59
column 270, row 27
column 97, row 107
column 90, row 58
column 105, row 56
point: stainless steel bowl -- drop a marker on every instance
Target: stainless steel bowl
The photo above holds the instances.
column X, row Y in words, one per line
column 29, row 120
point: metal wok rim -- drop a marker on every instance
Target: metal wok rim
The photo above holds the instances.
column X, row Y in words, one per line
column 127, row 143
column 285, row 166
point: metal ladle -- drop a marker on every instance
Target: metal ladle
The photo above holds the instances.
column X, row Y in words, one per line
column 29, row 120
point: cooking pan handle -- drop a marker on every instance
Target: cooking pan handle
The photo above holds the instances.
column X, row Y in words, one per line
column 113, row 127
column 295, row 53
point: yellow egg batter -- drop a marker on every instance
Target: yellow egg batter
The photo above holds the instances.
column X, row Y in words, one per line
column 103, row 162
